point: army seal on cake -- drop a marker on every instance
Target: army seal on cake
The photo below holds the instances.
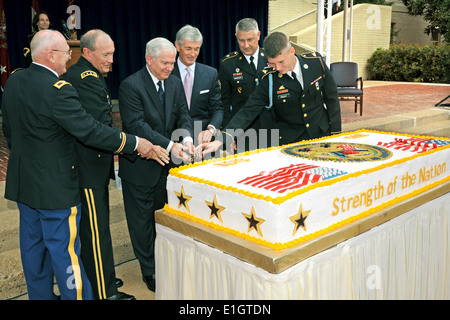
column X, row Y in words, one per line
column 338, row 151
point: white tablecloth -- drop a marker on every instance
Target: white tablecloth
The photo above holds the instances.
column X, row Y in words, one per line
column 405, row 258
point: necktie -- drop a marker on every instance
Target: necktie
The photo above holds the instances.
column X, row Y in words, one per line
column 252, row 64
column 294, row 75
column 161, row 96
column 188, row 86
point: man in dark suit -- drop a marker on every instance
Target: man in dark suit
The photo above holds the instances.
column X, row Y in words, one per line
column 239, row 70
column 42, row 119
column 200, row 83
column 96, row 166
column 152, row 104
column 296, row 98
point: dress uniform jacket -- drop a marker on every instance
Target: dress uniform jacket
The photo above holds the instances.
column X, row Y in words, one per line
column 96, row 165
column 298, row 113
column 42, row 118
column 237, row 81
column 206, row 104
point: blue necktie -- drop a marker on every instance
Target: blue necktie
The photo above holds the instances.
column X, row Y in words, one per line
column 162, row 98
column 161, row 93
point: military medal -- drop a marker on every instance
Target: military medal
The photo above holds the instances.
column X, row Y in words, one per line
column 283, row 93
column 316, row 83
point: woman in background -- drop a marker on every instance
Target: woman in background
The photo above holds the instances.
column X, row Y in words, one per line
column 41, row 21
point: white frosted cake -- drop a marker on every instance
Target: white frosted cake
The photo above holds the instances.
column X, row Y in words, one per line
column 283, row 196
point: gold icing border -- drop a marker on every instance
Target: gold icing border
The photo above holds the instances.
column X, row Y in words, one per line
column 278, row 200
column 292, row 243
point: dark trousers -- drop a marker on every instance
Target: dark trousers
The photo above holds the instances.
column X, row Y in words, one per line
column 140, row 204
column 96, row 243
column 50, row 246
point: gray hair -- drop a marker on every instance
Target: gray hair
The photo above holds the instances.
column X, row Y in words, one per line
column 246, row 25
column 157, row 45
column 189, row 33
column 89, row 39
column 275, row 44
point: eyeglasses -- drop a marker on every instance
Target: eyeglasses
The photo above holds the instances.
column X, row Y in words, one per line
column 69, row 52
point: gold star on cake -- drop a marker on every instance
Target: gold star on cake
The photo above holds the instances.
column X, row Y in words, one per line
column 299, row 219
column 184, row 199
column 215, row 209
column 253, row 222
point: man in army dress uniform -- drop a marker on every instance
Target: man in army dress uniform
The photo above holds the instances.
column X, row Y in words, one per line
column 304, row 103
column 238, row 71
column 96, row 166
column 42, row 119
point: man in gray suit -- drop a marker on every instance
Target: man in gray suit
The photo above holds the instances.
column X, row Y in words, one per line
column 152, row 102
column 201, row 84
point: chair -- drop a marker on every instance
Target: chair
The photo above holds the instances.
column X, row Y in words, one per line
column 345, row 75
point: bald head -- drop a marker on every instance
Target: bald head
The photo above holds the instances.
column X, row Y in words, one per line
column 89, row 39
column 50, row 49
column 43, row 41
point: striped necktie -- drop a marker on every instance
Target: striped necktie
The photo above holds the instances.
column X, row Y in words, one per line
column 161, row 93
column 162, row 97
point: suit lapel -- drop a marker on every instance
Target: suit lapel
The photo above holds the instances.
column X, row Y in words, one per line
column 289, row 83
column 176, row 70
column 197, row 84
column 261, row 61
column 169, row 89
column 152, row 92
column 306, row 72
column 243, row 64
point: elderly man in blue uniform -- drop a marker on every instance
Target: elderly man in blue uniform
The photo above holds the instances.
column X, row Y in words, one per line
column 201, row 85
column 296, row 98
column 239, row 70
column 42, row 120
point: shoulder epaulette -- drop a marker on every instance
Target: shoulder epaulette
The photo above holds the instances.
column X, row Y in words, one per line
column 261, row 52
column 89, row 73
column 311, row 55
column 314, row 55
column 268, row 70
column 18, row 69
column 61, row 84
column 230, row 55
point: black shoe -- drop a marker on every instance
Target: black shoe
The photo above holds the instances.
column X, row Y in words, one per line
column 150, row 282
column 121, row 296
column 119, row 283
